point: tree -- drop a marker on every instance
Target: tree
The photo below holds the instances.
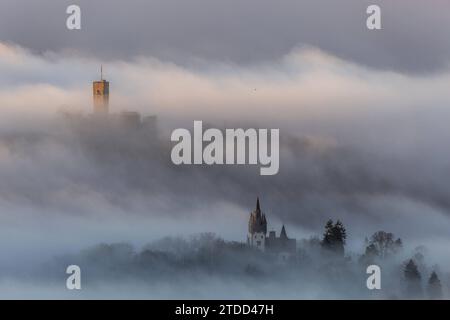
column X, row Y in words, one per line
column 413, row 279
column 328, row 234
column 340, row 233
column 434, row 288
column 382, row 245
column 372, row 251
column 334, row 237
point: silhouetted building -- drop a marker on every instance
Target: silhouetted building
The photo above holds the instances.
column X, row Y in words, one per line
column 282, row 246
column 257, row 228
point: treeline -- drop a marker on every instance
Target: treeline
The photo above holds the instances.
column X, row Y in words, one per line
column 382, row 246
column 321, row 267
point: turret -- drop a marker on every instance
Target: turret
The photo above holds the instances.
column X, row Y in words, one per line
column 283, row 234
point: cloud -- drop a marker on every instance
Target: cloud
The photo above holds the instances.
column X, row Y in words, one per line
column 307, row 82
column 357, row 143
column 413, row 38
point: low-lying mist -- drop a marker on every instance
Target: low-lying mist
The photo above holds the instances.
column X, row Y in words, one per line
column 206, row 267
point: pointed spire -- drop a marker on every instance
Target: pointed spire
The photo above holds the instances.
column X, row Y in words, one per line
column 257, row 221
column 283, row 233
column 101, row 72
column 257, row 211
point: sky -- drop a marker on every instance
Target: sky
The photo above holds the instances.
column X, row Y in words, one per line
column 414, row 38
column 362, row 117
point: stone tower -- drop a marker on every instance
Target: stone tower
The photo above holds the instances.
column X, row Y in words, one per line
column 101, row 95
column 257, row 228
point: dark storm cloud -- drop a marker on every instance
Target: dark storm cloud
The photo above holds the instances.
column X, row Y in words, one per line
column 414, row 36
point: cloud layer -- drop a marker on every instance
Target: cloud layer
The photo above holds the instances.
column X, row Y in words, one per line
column 361, row 144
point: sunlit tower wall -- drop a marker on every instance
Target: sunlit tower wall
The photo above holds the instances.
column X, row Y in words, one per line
column 101, row 96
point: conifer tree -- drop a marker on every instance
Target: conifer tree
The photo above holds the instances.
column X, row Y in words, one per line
column 334, row 237
column 328, row 234
column 434, row 288
column 413, row 280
